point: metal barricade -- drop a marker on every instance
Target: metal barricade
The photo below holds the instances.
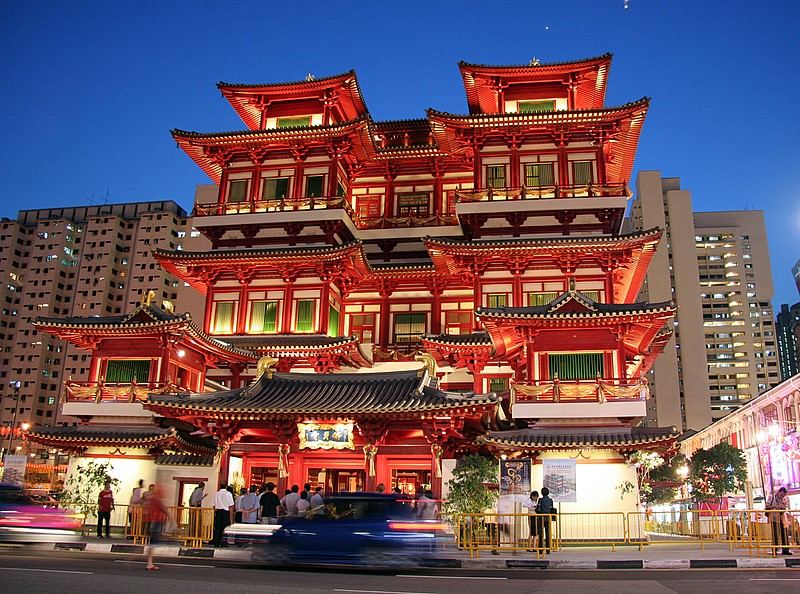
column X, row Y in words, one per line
column 498, row 533
column 596, row 528
column 190, row 525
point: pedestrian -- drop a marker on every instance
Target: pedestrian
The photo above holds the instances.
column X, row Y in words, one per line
column 105, row 505
column 224, row 510
column 303, row 505
column 381, row 488
column 195, row 513
column 155, row 513
column 197, row 496
column 134, row 507
column 290, row 501
column 317, row 502
column 249, row 505
column 533, row 522
column 269, row 505
column 426, row 506
column 544, row 512
column 307, row 489
column 776, row 509
column 238, row 504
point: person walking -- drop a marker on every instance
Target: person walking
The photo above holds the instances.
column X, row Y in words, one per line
column 776, row 509
column 545, row 518
column 269, row 505
column 249, row 504
column 105, row 505
column 224, row 510
column 155, row 514
column 317, row 502
column 533, row 522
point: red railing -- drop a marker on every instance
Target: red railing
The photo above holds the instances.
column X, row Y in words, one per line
column 598, row 390
column 398, row 222
column 116, row 392
column 541, row 192
column 273, row 205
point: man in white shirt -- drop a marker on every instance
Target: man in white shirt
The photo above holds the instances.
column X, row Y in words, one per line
column 224, row 511
column 290, row 501
column 318, row 502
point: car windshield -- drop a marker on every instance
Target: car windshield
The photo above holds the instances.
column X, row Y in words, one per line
column 13, row 496
column 367, row 508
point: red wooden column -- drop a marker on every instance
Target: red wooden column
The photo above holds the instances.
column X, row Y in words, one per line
column 286, row 314
column 385, row 290
column 514, row 178
column 436, row 290
column 324, row 306
column 224, row 465
column 388, row 209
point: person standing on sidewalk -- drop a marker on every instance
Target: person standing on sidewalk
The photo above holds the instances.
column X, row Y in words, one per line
column 249, row 506
column 545, row 510
column 195, row 511
column 105, row 505
column 224, row 510
column 776, row 510
column 533, row 522
column 269, row 505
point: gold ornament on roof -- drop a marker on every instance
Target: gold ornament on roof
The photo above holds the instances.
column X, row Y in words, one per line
column 534, row 61
column 148, row 296
column 310, row 77
column 266, row 365
column 428, row 362
column 167, row 305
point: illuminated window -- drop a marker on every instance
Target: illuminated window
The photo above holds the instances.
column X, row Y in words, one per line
column 275, row 188
column 314, row 185
column 536, row 299
column 458, row 322
column 237, row 190
column 496, row 176
column 294, row 122
column 536, row 106
column 413, row 204
column 408, row 327
column 222, row 317
column 368, row 207
column 362, row 326
column 539, row 174
column 576, row 366
column 333, row 321
column 581, row 173
column 498, row 384
column 304, row 316
column 263, row 317
column 496, row 300
column 123, row 371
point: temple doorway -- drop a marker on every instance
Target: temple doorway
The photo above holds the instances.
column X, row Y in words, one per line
column 335, row 480
column 411, row 482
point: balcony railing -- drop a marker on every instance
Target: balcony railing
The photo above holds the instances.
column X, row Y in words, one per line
column 273, row 205
column 116, row 392
column 399, row 222
column 542, row 192
column 598, row 390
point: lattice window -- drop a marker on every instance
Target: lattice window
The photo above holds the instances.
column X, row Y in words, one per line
column 576, row 366
column 304, row 316
column 408, row 327
column 123, row 371
column 263, row 317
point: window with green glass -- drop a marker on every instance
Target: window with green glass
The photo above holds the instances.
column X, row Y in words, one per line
column 314, row 185
column 263, row 317
column 576, row 366
column 123, row 371
column 295, row 122
column 498, row 384
column 541, row 298
column 304, row 316
column 333, row 321
column 275, row 188
column 408, row 327
column 581, row 173
column 496, row 300
column 538, row 175
column 496, row 176
column 237, row 190
column 223, row 317
column 592, row 294
column 536, row 106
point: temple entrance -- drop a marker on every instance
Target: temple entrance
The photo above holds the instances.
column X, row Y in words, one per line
column 334, row 480
column 411, row 482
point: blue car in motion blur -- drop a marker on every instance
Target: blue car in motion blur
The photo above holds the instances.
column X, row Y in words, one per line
column 24, row 520
column 355, row 529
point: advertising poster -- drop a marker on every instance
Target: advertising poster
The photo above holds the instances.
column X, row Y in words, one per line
column 559, row 477
column 515, row 485
column 14, row 470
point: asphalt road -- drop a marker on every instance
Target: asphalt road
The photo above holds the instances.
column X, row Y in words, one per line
column 28, row 571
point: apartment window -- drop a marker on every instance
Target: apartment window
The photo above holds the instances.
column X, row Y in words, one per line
column 539, row 174
column 222, row 317
column 304, row 316
column 275, row 188
column 543, row 298
column 581, row 173
column 408, row 327
column 577, row 366
column 536, row 106
column 294, row 122
column 496, row 176
column 333, row 321
column 123, row 371
column 314, row 185
column 413, row 204
column 498, row 384
column 362, row 326
column 237, row 190
column 263, row 317
column 458, row 322
column 496, row 300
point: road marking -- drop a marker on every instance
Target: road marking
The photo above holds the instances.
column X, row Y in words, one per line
column 379, row 591
column 775, row 579
column 46, row 570
column 450, row 577
column 159, row 563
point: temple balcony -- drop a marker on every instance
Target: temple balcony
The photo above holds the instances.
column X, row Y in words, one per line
column 91, row 399
column 562, row 209
column 580, row 399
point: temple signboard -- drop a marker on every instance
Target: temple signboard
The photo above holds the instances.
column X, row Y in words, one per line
column 326, row 436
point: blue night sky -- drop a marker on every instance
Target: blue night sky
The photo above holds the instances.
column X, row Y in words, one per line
column 90, row 90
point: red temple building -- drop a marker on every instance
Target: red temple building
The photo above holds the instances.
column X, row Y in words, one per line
column 345, row 250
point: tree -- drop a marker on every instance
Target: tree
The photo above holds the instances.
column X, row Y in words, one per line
column 468, row 491
column 718, row 471
column 644, row 463
column 84, row 485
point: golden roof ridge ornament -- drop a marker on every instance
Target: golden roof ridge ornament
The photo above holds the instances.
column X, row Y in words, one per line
column 428, row 364
column 266, row 366
column 147, row 297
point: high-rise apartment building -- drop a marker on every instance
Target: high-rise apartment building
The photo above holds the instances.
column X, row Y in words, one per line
column 78, row 261
column 787, row 327
column 715, row 266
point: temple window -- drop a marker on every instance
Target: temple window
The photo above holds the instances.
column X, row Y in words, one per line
column 123, row 371
column 458, row 322
column 498, row 385
column 362, row 326
column 333, row 320
column 536, row 106
column 496, row 176
column 408, row 327
column 223, row 315
column 368, row 207
column 496, row 300
column 304, row 315
column 293, row 122
column 576, row 366
column 543, row 298
column 275, row 188
column 538, row 175
column 315, row 185
column 582, row 173
column 237, row 190
column 263, row 317
column 413, row 204
column 592, row 294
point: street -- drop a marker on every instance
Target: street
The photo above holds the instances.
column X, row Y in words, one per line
column 27, row 570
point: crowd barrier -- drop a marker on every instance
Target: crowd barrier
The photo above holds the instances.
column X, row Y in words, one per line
column 760, row 532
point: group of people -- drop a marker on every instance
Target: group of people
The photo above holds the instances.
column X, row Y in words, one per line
column 540, row 510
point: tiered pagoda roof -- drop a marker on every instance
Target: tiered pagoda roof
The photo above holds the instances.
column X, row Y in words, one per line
column 148, row 437
column 558, row 438
column 345, row 350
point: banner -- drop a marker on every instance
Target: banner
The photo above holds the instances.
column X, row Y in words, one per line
column 515, row 485
column 14, row 470
column 559, row 478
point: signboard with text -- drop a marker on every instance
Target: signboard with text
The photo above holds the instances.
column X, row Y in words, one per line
column 326, row 436
column 14, row 470
column 560, row 479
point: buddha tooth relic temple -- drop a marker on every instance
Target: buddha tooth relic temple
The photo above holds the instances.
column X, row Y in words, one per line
column 383, row 297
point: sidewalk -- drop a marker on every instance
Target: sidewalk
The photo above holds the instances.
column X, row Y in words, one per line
column 654, row 556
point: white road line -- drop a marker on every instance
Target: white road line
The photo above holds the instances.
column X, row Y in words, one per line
column 379, row 591
column 159, row 563
column 45, row 570
column 775, row 579
column 450, row 577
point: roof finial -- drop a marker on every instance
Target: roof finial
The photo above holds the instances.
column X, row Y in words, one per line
column 147, row 297
column 309, row 77
column 167, row 305
column 265, row 366
column 572, row 284
column 534, row 61
column 428, row 363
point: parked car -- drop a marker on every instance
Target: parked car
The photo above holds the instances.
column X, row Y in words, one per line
column 356, row 529
column 23, row 520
